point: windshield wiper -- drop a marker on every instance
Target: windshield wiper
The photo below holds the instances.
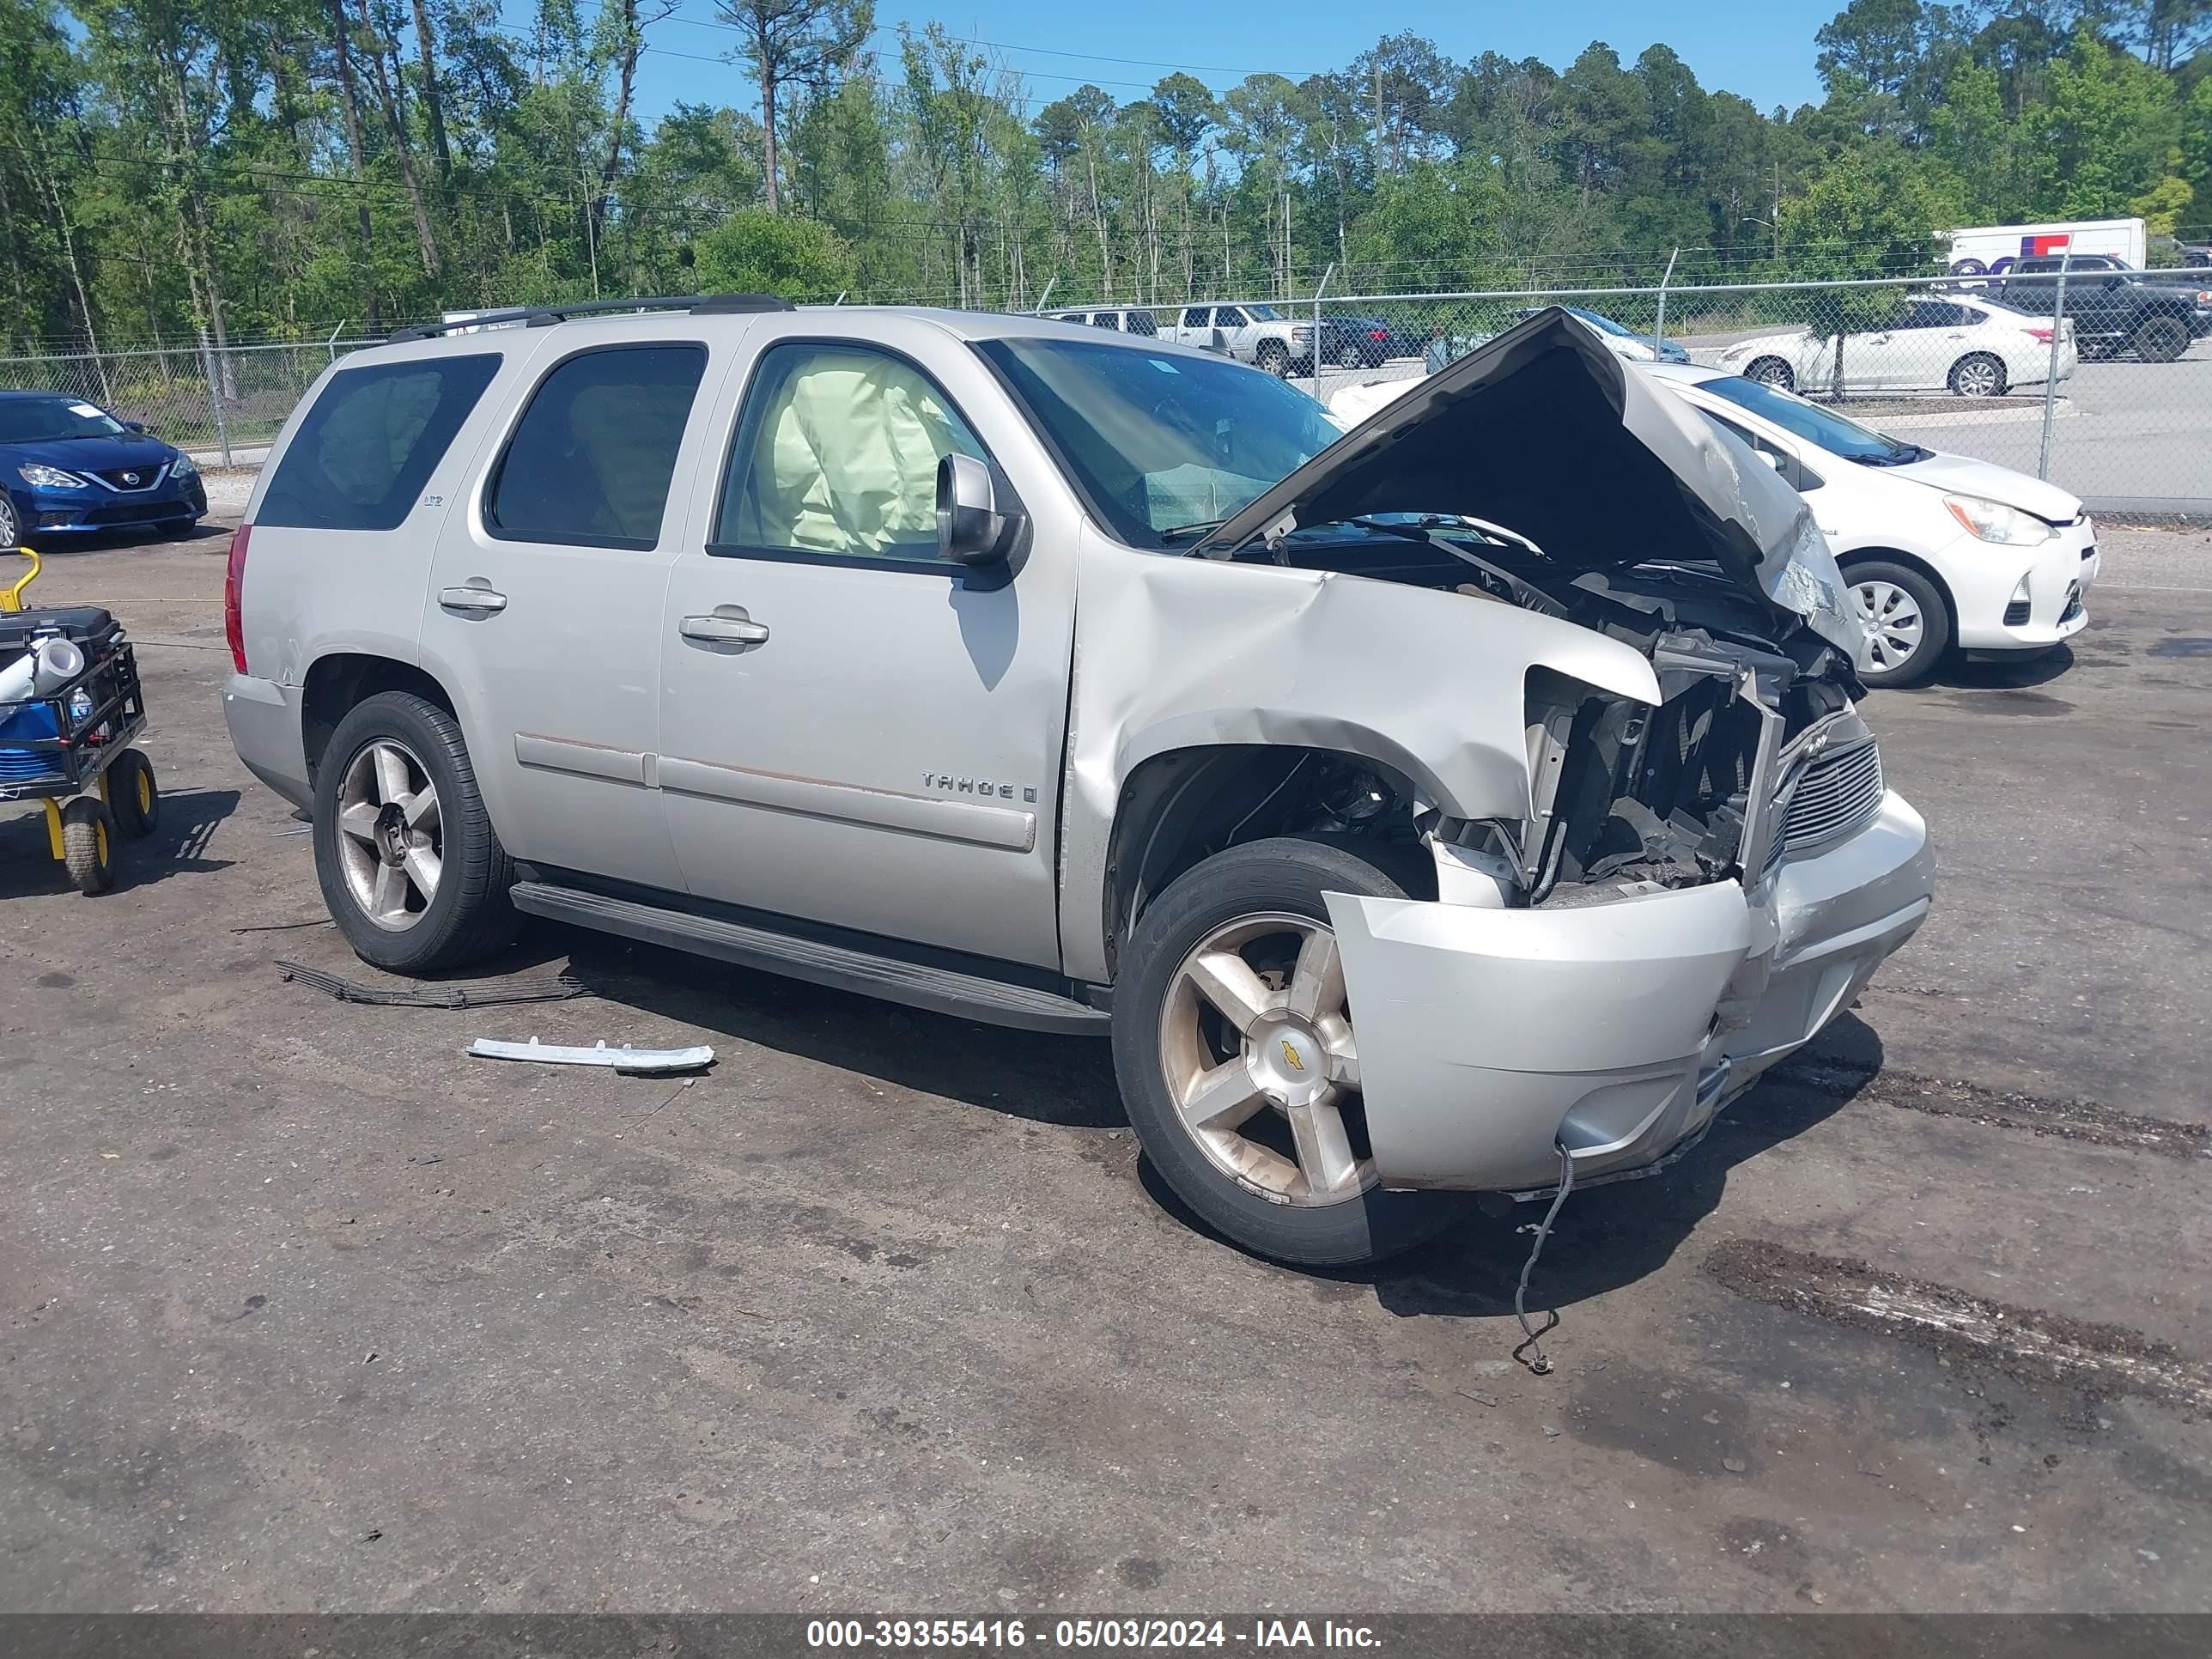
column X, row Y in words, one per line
column 1177, row 532
column 1902, row 455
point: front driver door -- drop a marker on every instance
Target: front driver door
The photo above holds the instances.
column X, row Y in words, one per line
column 855, row 731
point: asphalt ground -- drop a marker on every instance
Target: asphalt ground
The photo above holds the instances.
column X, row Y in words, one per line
column 306, row 1311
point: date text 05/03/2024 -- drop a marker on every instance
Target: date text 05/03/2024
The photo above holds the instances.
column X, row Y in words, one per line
column 1261, row 1635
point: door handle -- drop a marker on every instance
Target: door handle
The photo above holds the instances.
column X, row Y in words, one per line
column 719, row 629
column 471, row 598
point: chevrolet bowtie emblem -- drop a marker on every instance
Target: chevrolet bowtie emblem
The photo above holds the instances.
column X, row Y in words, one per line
column 1290, row 1057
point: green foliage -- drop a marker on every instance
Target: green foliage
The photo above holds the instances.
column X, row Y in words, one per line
column 169, row 166
column 757, row 252
column 2104, row 137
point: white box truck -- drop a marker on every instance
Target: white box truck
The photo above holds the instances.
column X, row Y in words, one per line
column 1990, row 250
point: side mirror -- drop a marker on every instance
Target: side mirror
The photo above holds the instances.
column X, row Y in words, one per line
column 971, row 526
column 134, row 425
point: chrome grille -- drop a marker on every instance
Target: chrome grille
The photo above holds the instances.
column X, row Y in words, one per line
column 1837, row 793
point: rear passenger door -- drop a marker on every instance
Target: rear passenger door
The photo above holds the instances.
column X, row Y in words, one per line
column 543, row 612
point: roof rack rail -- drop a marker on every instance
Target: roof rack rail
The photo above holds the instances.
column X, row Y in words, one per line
column 705, row 305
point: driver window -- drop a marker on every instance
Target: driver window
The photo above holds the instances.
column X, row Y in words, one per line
column 837, row 454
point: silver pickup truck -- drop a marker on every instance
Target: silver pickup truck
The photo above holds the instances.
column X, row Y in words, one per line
column 1468, row 801
column 1251, row 333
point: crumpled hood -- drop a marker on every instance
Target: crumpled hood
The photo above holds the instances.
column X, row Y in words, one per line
column 1547, row 433
column 1960, row 475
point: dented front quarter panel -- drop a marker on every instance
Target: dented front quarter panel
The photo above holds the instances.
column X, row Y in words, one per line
column 1174, row 654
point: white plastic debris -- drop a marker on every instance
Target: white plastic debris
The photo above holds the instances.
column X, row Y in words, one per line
column 624, row 1058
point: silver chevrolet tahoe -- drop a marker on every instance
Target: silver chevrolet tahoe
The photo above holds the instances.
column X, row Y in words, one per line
column 1460, row 804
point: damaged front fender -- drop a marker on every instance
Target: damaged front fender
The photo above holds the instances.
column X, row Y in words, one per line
column 1175, row 654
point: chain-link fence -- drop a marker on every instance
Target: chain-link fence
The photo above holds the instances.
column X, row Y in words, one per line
column 2099, row 380
column 223, row 406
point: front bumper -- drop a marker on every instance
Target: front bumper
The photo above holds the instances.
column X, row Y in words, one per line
column 95, row 510
column 2023, row 599
column 1488, row 1037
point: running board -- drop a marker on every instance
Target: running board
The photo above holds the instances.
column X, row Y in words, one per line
column 941, row 990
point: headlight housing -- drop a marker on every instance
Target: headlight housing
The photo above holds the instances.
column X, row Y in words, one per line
column 182, row 467
column 39, row 475
column 1993, row 521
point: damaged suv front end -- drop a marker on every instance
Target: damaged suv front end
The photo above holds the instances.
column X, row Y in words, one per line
column 1700, row 863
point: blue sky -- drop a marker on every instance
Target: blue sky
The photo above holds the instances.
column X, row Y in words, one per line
column 1762, row 49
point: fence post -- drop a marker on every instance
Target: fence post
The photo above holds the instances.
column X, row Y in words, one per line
column 1659, row 328
column 331, row 345
column 1320, row 287
column 2051, row 374
column 214, row 398
column 1045, row 298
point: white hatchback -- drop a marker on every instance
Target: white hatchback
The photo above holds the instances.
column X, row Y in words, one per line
column 1940, row 551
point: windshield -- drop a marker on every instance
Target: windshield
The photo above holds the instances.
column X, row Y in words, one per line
column 1160, row 443
column 40, row 420
column 1264, row 313
column 1810, row 421
column 1603, row 324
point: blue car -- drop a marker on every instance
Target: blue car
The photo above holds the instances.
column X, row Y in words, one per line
column 68, row 467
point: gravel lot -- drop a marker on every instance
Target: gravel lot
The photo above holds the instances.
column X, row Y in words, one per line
column 306, row 1311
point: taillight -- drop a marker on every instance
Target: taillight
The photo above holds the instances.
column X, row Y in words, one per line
column 234, row 583
column 2042, row 334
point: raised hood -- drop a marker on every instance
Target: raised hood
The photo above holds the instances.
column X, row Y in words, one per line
column 1545, row 432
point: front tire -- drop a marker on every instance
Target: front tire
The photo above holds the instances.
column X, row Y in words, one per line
column 1234, row 1049
column 1977, row 375
column 1275, row 361
column 410, row 868
column 1772, row 371
column 1907, row 617
column 88, row 844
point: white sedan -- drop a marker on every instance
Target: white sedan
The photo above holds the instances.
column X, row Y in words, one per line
column 1953, row 341
column 1940, row 551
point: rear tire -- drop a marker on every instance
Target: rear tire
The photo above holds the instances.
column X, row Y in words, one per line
column 88, row 844
column 2160, row 339
column 1979, row 374
column 374, row 865
column 1908, row 618
column 1291, row 1180
column 133, row 795
column 1772, row 371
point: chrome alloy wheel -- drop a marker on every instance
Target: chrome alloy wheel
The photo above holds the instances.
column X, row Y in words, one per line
column 1255, row 1040
column 390, row 840
column 1893, row 623
column 1975, row 377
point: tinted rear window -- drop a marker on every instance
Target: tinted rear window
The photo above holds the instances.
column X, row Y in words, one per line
column 591, row 458
column 362, row 456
